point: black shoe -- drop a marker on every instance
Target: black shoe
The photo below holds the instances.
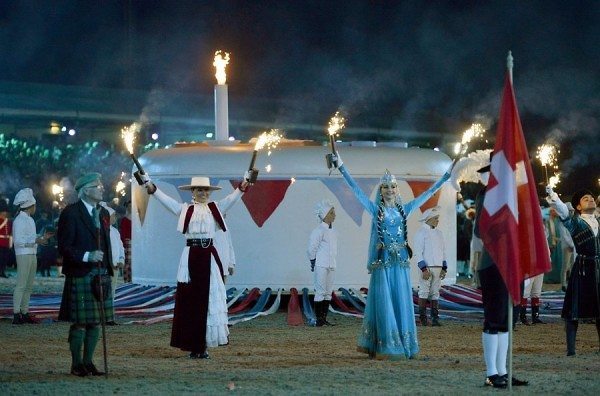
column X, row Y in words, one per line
column 18, row 319
column 79, row 370
column 90, row 368
column 515, row 381
column 197, row 355
column 112, row 323
column 497, row 381
column 326, row 323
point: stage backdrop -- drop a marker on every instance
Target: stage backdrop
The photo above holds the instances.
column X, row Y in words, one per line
column 271, row 224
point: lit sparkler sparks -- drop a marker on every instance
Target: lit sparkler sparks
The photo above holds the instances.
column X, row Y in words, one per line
column 546, row 154
column 476, row 130
column 268, row 140
column 128, row 134
column 554, row 180
column 336, row 124
column 220, row 63
column 58, row 192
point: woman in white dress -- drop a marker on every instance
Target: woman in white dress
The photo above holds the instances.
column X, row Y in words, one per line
column 200, row 314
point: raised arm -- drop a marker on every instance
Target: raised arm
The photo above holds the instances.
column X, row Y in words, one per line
column 169, row 203
column 421, row 199
column 358, row 193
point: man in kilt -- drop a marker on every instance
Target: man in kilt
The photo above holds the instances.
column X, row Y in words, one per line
column 582, row 298
column 84, row 243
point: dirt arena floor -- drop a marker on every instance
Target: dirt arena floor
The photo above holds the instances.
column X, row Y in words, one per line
column 266, row 356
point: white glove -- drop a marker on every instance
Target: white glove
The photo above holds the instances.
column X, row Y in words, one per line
column 555, row 202
column 336, row 159
column 96, row 256
column 145, row 178
column 551, row 195
column 247, row 176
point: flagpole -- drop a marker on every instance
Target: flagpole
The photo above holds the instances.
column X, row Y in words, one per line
column 509, row 66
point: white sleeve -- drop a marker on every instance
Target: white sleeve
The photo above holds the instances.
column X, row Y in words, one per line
column 558, row 205
column 172, row 205
column 226, row 203
column 313, row 243
column 419, row 245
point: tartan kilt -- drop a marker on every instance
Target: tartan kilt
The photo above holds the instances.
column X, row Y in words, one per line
column 78, row 303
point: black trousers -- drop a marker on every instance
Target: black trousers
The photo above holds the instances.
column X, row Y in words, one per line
column 495, row 300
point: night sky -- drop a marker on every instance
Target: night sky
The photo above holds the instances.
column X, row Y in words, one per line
column 427, row 65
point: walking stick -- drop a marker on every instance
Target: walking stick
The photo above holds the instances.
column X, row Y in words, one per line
column 101, row 304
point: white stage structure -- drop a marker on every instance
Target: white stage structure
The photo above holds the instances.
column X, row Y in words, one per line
column 270, row 227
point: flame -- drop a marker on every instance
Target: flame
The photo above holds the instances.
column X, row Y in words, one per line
column 554, row 180
column 270, row 140
column 220, row 62
column 546, row 153
column 336, row 124
column 128, row 135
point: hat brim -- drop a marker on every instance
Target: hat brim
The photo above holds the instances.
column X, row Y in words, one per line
column 189, row 187
column 484, row 169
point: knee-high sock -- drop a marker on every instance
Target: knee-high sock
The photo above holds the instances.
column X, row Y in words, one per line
column 91, row 339
column 502, row 353
column 490, row 352
column 76, row 336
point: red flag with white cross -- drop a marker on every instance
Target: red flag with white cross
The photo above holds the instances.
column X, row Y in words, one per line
column 511, row 224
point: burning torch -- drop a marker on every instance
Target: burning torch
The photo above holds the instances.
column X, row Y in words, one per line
column 128, row 135
column 476, row 130
column 270, row 140
column 336, row 124
column 546, row 153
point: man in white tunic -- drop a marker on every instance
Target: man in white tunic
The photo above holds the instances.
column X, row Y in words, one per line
column 430, row 254
column 322, row 253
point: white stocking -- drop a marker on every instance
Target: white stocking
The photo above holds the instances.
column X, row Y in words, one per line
column 490, row 352
column 502, row 353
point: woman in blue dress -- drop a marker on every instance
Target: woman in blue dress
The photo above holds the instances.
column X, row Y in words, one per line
column 388, row 329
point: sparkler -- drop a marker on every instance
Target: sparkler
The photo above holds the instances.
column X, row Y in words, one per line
column 128, row 135
column 554, row 180
column 270, row 140
column 336, row 124
column 546, row 153
column 476, row 130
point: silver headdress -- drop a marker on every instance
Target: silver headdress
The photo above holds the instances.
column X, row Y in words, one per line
column 387, row 178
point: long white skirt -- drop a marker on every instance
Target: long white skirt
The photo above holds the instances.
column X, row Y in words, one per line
column 217, row 332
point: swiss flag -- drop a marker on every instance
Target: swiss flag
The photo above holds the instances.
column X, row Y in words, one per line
column 510, row 223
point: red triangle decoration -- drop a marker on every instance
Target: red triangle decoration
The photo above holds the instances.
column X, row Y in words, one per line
column 263, row 198
column 418, row 187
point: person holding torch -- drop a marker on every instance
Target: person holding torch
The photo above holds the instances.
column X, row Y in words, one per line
column 200, row 314
column 582, row 298
column 388, row 329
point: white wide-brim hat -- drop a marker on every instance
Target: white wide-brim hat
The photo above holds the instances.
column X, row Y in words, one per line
column 199, row 181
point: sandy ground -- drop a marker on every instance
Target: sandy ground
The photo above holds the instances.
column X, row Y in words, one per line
column 266, row 355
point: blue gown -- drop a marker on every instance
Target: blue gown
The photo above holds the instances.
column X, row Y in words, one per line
column 388, row 329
